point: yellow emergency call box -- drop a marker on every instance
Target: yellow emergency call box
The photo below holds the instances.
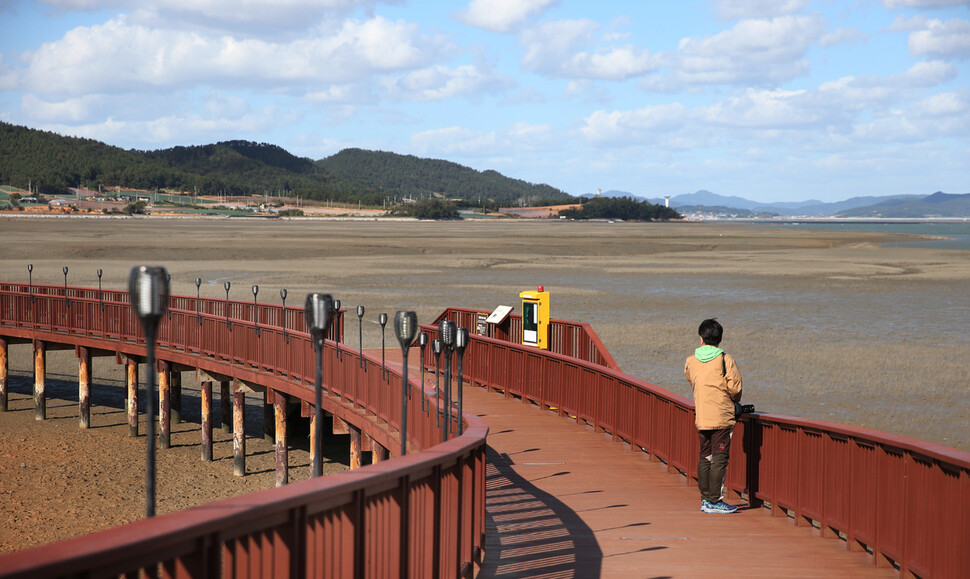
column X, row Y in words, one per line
column 535, row 318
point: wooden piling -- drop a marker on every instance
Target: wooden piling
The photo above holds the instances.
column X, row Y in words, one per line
column 40, row 380
column 282, row 457
column 313, row 442
column 378, row 452
column 207, row 420
column 84, row 386
column 239, row 431
column 176, row 385
column 356, row 453
column 268, row 416
column 164, row 405
column 225, row 399
column 131, row 365
column 4, row 370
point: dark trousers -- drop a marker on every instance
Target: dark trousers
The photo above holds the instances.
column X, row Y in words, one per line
column 713, row 461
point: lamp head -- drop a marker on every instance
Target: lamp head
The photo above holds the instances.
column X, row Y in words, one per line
column 423, row 339
column 100, row 273
column 382, row 319
column 461, row 340
column 319, row 315
column 64, row 269
column 227, row 285
column 405, row 326
column 30, row 267
column 446, row 331
column 283, row 294
column 198, row 282
column 336, row 305
column 255, row 290
column 436, row 346
column 360, row 311
column 148, row 291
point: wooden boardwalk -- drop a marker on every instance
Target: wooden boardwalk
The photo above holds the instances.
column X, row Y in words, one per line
column 564, row 501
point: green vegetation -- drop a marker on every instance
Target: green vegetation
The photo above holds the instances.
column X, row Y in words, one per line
column 624, row 208
column 410, row 176
column 50, row 164
column 428, row 209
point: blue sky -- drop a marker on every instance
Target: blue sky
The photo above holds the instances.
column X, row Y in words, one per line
column 771, row 100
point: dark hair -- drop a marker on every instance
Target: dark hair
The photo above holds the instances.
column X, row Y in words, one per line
column 710, row 331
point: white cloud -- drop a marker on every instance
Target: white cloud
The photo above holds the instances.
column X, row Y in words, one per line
column 732, row 9
column 503, row 15
column 842, row 35
column 117, row 56
column 558, row 49
column 895, row 4
column 440, row 82
column 752, row 52
column 469, row 143
column 950, row 39
column 634, row 127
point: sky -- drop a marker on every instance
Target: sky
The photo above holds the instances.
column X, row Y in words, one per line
column 770, row 100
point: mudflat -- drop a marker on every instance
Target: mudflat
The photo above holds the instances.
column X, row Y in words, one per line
column 830, row 325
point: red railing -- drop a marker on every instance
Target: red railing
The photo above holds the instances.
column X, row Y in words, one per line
column 421, row 515
column 901, row 499
column 573, row 339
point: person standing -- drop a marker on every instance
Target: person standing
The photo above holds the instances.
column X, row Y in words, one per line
column 716, row 382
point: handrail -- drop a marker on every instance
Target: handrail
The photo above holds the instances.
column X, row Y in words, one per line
column 419, row 515
column 574, row 339
column 900, row 498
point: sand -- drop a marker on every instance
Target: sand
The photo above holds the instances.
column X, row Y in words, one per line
column 828, row 325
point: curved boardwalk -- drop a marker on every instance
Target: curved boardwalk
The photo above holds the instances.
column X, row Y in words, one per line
column 564, row 501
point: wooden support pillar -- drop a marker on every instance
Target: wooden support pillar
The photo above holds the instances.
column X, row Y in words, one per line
column 84, row 386
column 239, row 431
column 131, row 365
column 356, row 452
column 40, row 380
column 4, row 370
column 225, row 399
column 313, row 442
column 282, row 457
column 268, row 416
column 164, row 404
column 176, row 385
column 378, row 453
column 207, row 420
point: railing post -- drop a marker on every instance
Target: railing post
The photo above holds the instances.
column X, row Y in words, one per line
column 206, row 395
column 238, row 430
column 4, row 370
column 282, row 457
column 131, row 374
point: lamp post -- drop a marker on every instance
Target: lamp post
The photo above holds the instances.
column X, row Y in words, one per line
column 382, row 320
column 227, row 285
column 255, row 309
column 405, row 325
column 360, row 333
column 148, row 293
column 283, row 297
column 66, row 299
column 319, row 315
column 30, row 280
column 436, row 350
column 422, row 341
column 100, row 301
column 446, row 329
column 461, row 342
column 198, row 302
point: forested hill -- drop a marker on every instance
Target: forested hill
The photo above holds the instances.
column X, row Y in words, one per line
column 51, row 163
column 417, row 177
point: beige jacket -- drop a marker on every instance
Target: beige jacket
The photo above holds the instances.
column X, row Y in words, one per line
column 714, row 392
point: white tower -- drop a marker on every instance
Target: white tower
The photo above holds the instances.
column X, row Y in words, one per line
column 667, row 201
column 598, row 191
